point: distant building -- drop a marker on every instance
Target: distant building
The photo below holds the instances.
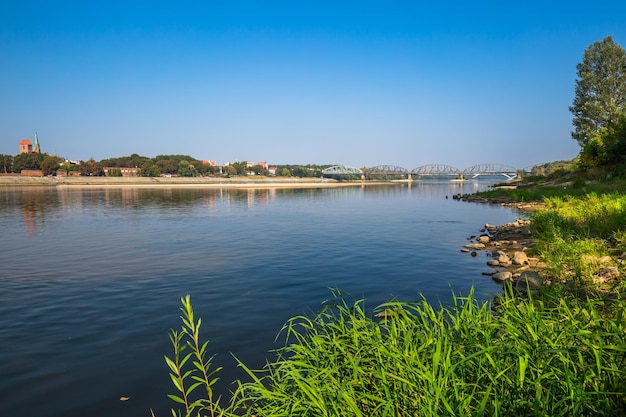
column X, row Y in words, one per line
column 125, row 171
column 271, row 170
column 208, row 162
column 26, row 145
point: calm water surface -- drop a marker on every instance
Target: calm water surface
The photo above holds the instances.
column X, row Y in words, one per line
column 91, row 280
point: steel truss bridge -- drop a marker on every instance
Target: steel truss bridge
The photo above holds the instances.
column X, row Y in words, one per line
column 431, row 170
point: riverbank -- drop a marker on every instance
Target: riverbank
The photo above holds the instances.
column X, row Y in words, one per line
column 182, row 182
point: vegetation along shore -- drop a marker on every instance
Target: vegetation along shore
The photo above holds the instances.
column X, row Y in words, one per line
column 553, row 343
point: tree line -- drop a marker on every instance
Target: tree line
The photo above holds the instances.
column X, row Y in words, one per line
column 179, row 165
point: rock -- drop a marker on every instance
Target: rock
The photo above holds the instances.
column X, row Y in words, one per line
column 475, row 246
column 519, row 258
column 474, row 254
column 502, row 276
column 464, row 249
column 528, row 280
column 484, row 239
column 493, row 262
column 490, row 226
column 503, row 258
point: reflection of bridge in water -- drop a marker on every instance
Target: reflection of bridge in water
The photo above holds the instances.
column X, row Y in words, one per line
column 431, row 170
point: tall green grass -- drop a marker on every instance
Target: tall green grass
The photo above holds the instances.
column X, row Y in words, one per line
column 574, row 232
column 550, row 357
column 528, row 359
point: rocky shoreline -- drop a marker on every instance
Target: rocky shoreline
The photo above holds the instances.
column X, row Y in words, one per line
column 506, row 247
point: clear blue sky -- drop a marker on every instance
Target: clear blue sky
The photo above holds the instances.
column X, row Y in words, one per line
column 359, row 83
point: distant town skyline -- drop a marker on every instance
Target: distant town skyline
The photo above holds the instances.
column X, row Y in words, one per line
column 354, row 83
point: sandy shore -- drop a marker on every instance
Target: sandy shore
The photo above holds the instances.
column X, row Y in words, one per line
column 182, row 182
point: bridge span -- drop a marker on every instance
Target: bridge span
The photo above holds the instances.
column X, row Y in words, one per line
column 430, row 170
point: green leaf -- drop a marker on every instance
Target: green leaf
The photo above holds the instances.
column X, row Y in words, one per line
column 176, row 398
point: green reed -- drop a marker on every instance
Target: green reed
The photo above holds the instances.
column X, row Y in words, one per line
column 186, row 376
column 529, row 358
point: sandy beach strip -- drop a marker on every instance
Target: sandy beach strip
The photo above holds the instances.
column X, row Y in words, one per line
column 176, row 182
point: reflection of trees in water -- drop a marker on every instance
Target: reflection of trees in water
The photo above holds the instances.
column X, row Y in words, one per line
column 38, row 202
column 33, row 215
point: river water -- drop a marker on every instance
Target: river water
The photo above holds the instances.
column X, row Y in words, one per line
column 91, row 279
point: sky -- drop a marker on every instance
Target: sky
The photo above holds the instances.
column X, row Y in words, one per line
column 357, row 83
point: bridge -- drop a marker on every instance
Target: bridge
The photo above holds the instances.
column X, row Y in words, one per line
column 430, row 170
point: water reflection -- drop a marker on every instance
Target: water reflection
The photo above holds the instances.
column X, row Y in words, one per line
column 37, row 203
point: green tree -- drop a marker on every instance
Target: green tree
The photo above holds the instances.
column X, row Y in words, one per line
column 260, row 170
column 600, row 95
column 50, row 164
column 150, row 169
column 606, row 147
column 240, row 167
column 167, row 166
column 91, row 168
column 27, row 161
column 6, row 163
column 231, row 170
column 185, row 169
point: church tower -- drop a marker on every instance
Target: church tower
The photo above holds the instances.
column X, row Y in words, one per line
column 36, row 145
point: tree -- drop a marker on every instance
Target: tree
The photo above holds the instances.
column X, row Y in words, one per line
column 27, row 161
column 6, row 163
column 600, row 95
column 150, row 169
column 185, row 169
column 607, row 147
column 91, row 168
column 50, row 164
column 240, row 166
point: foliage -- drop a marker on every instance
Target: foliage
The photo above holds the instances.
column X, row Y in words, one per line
column 188, row 377
column 6, row 163
column 150, row 169
column 240, row 167
column 556, row 358
column 607, row 146
column 600, row 94
column 91, row 168
column 574, row 232
column 131, row 161
column 27, row 161
column 50, row 164
column 186, row 169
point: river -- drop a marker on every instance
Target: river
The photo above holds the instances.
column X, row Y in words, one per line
column 91, row 279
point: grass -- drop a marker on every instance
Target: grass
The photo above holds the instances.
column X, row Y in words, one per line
column 550, row 356
column 560, row 352
column 579, row 236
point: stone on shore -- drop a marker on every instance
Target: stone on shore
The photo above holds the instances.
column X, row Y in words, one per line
column 528, row 280
column 484, row 239
column 502, row 276
column 519, row 258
